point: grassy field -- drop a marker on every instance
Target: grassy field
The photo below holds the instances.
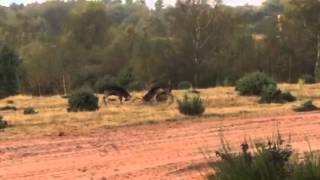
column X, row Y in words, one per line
column 221, row 103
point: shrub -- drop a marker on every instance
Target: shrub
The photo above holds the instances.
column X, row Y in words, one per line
column 253, row 84
column 308, row 79
column 307, row 169
column 3, row 123
column 29, row 111
column 307, row 106
column 267, row 160
column 270, row 94
column 83, row 100
column 185, row 85
column 191, row 105
column 105, row 82
column 272, row 160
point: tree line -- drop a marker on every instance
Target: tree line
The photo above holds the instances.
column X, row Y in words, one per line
column 57, row 46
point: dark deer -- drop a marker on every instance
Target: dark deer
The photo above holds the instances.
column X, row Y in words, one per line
column 156, row 92
column 116, row 91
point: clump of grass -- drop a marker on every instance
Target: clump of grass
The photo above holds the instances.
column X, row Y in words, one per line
column 271, row 94
column 270, row 160
column 306, row 106
column 191, row 105
column 29, row 111
column 3, row 123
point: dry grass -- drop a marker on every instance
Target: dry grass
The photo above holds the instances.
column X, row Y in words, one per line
column 220, row 103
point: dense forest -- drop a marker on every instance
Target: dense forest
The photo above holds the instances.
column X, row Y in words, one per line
column 57, row 46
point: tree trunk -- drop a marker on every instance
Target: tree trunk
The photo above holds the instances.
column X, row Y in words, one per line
column 64, row 85
column 316, row 71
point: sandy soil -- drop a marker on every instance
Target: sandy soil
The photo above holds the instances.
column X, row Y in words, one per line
column 170, row 150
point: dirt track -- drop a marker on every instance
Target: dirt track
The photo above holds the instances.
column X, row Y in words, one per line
column 158, row 151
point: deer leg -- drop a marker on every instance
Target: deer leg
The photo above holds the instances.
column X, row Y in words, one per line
column 120, row 99
column 105, row 99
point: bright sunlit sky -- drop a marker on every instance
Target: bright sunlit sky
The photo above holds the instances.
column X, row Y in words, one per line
column 149, row 2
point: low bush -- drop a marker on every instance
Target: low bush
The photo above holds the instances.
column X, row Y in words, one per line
column 253, row 84
column 29, row 111
column 191, row 105
column 3, row 123
column 270, row 94
column 308, row 79
column 307, row 106
column 83, row 100
column 270, row 160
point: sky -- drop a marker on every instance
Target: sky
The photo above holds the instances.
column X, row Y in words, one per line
column 229, row 2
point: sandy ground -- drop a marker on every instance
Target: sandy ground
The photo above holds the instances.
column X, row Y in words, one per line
column 171, row 150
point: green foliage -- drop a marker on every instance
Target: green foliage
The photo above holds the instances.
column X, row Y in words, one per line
column 9, row 63
column 83, row 100
column 185, row 85
column 308, row 79
column 29, row 111
column 253, row 84
column 105, row 82
column 191, row 105
column 3, row 123
column 306, row 106
column 268, row 161
column 271, row 94
column 272, row 160
column 307, row 169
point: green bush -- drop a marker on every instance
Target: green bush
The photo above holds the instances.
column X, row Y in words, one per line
column 185, row 85
column 307, row 106
column 3, row 123
column 105, row 82
column 308, row 79
column 271, row 94
column 83, row 100
column 191, row 105
column 270, row 160
column 253, row 84
column 29, row 111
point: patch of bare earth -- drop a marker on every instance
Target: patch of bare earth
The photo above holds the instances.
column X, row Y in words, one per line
column 169, row 150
